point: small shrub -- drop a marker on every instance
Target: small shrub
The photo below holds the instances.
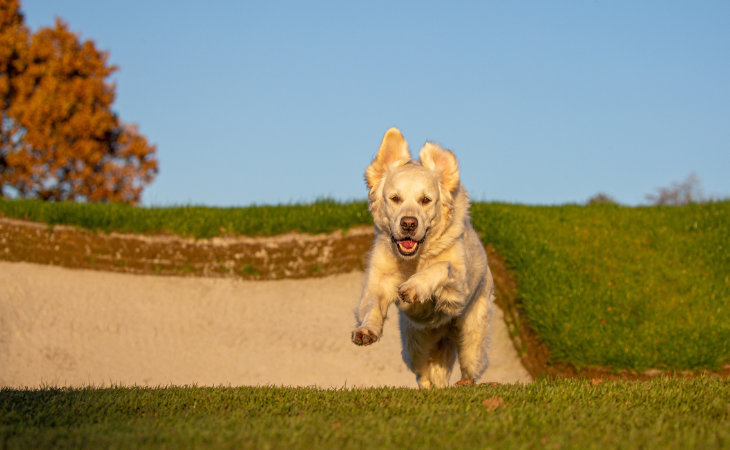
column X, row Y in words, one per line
column 602, row 199
column 684, row 193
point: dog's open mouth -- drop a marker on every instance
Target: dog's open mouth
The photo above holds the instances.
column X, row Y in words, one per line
column 407, row 246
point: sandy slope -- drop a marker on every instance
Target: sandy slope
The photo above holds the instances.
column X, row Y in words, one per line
column 68, row 327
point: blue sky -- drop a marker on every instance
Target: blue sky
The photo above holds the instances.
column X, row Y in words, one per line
column 543, row 102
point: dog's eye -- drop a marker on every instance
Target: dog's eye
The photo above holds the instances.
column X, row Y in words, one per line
column 395, row 199
column 425, row 201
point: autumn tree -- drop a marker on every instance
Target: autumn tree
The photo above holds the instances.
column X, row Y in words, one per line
column 60, row 139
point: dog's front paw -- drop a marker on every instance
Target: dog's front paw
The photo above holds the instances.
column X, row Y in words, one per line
column 364, row 336
column 412, row 292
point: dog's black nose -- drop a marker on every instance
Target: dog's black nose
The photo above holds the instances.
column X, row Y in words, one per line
column 409, row 224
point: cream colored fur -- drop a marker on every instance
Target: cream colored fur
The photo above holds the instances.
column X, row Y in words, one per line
column 443, row 291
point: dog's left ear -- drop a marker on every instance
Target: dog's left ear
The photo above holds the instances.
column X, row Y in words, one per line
column 443, row 162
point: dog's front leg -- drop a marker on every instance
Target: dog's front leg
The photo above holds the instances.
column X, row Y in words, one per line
column 440, row 280
column 371, row 313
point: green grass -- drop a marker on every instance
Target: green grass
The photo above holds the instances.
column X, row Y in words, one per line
column 194, row 221
column 664, row 413
column 621, row 287
column 602, row 285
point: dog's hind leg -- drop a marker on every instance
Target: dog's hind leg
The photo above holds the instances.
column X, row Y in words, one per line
column 429, row 353
column 472, row 337
column 441, row 362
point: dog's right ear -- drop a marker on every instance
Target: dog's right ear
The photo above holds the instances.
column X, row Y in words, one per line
column 393, row 153
column 443, row 162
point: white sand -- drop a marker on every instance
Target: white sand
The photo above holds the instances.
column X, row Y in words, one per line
column 65, row 327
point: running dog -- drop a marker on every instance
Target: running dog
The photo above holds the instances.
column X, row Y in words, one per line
column 429, row 261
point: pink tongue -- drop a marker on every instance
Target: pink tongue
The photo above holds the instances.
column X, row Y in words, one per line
column 408, row 244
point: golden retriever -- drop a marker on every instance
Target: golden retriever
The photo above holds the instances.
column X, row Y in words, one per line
column 429, row 261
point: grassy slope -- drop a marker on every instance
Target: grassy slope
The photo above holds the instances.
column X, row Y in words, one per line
column 194, row 221
column 567, row 414
column 621, row 287
column 602, row 285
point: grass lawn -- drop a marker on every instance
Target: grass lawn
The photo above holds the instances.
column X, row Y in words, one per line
column 663, row 413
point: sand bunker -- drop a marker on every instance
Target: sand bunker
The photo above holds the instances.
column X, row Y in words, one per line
column 71, row 327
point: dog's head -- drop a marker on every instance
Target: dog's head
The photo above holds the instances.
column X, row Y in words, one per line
column 411, row 200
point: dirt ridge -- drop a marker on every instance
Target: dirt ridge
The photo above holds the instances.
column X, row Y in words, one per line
column 292, row 255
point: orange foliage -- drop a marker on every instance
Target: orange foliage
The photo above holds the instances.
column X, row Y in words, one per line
column 60, row 139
